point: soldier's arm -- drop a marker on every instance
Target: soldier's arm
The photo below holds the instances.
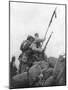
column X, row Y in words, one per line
column 40, row 40
column 37, row 49
column 22, row 44
column 33, row 46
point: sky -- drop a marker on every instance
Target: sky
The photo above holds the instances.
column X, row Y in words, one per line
column 29, row 18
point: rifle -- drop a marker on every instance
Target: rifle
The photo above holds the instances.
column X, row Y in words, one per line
column 47, row 42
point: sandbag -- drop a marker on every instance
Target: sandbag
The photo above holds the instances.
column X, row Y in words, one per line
column 34, row 72
column 20, row 80
column 49, row 81
column 44, row 65
column 47, row 73
column 52, row 61
column 58, row 69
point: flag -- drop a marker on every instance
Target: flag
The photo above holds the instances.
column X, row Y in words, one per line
column 54, row 14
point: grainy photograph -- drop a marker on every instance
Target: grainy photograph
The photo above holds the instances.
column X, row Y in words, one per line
column 37, row 44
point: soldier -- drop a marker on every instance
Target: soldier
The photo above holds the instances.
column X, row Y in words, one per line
column 26, row 50
column 13, row 70
column 38, row 41
column 36, row 47
column 26, row 43
column 20, row 60
column 37, row 44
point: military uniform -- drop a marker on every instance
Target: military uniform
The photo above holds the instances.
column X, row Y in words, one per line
column 26, row 43
column 27, row 52
column 36, row 46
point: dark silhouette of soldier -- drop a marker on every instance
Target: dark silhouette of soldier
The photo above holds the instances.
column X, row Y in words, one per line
column 26, row 43
column 26, row 50
column 13, row 70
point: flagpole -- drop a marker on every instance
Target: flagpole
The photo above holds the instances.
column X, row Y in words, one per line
column 54, row 13
column 46, row 33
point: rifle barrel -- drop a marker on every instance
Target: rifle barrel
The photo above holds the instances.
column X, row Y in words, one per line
column 47, row 41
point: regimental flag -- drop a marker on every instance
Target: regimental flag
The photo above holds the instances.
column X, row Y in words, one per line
column 54, row 14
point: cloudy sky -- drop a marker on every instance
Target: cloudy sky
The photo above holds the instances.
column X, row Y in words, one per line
column 27, row 19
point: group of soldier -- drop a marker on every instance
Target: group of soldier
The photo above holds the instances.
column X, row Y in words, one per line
column 34, row 68
column 32, row 51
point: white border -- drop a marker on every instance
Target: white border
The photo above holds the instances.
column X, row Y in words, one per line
column 4, row 43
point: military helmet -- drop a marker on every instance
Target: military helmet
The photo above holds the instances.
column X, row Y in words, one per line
column 36, row 34
column 30, row 38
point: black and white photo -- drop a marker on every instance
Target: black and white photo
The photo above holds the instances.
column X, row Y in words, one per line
column 37, row 44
